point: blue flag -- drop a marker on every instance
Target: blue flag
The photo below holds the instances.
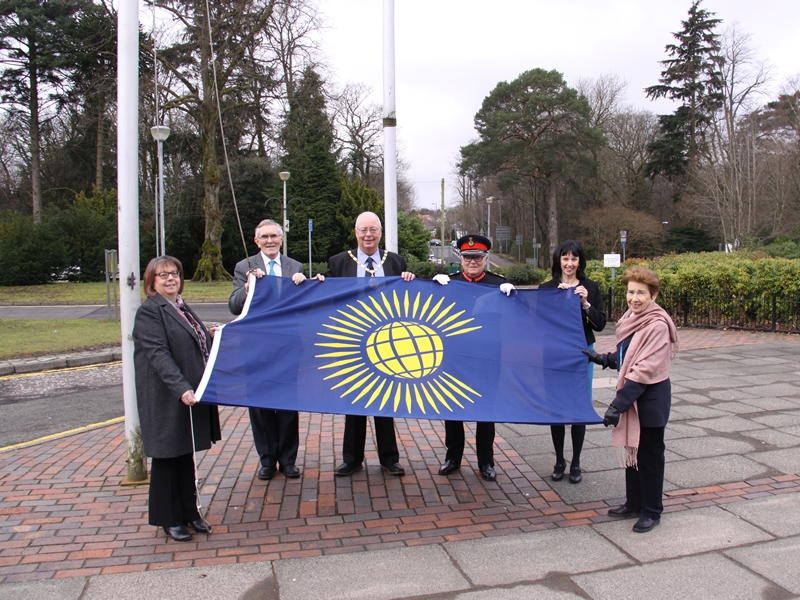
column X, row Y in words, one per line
column 387, row 347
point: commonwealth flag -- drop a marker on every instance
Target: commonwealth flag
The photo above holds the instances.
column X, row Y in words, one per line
column 387, row 347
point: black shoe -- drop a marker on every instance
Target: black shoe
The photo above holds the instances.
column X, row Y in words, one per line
column 623, row 512
column 200, row 526
column 645, row 524
column 487, row 472
column 575, row 475
column 344, row 469
column 558, row 471
column 266, row 473
column 179, row 533
column 449, row 466
column 290, row 471
column 394, row 469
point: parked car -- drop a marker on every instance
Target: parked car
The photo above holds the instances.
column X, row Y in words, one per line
column 435, row 242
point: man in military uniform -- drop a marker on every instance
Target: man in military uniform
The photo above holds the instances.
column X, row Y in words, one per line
column 474, row 251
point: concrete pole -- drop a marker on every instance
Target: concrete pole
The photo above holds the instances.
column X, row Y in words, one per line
column 128, row 220
column 389, row 130
column 284, row 175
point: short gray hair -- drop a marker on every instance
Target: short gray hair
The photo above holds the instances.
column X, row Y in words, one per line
column 268, row 222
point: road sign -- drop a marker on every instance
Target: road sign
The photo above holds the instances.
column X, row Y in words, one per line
column 311, row 224
column 611, row 260
column 503, row 233
column 519, row 240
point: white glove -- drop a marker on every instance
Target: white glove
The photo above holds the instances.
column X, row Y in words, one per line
column 507, row 288
column 441, row 279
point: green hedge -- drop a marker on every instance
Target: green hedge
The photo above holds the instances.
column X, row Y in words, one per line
column 738, row 274
column 714, row 282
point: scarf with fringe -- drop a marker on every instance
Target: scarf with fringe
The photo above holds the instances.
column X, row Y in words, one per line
column 647, row 361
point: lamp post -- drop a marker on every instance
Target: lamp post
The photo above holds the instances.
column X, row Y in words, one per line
column 284, row 175
column 489, row 228
column 160, row 134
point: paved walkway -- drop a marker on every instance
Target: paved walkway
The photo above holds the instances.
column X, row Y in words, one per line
column 68, row 529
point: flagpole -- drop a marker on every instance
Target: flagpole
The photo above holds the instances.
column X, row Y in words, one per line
column 128, row 221
column 389, row 130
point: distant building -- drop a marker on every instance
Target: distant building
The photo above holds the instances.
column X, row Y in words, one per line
column 429, row 222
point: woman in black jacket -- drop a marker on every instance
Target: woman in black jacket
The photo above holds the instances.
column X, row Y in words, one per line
column 647, row 341
column 171, row 347
column 569, row 263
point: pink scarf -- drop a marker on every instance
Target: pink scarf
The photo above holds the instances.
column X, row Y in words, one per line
column 647, row 360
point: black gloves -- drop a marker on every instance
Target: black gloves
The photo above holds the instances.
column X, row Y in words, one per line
column 612, row 415
column 594, row 357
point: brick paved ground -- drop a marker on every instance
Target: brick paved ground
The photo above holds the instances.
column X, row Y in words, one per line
column 64, row 513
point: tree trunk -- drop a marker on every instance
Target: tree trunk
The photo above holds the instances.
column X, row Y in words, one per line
column 98, row 168
column 552, row 215
column 210, row 268
column 36, row 163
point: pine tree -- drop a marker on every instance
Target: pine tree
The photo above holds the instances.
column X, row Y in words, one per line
column 692, row 77
column 308, row 141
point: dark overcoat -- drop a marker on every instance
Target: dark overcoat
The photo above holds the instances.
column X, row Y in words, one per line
column 289, row 267
column 168, row 362
column 342, row 265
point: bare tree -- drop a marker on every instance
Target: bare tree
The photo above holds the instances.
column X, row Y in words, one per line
column 359, row 129
column 726, row 182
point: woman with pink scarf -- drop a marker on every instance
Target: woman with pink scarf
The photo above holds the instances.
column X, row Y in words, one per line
column 646, row 343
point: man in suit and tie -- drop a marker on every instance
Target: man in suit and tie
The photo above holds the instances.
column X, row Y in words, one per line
column 275, row 432
column 368, row 261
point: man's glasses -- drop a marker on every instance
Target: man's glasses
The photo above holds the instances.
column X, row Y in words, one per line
column 473, row 258
column 168, row 274
column 269, row 237
column 366, row 230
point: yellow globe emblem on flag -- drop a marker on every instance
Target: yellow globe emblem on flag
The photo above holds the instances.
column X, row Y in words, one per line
column 405, row 349
column 386, row 351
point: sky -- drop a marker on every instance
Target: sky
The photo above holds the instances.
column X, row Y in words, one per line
column 450, row 54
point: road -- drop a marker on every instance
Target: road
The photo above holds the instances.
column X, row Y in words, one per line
column 207, row 311
column 36, row 405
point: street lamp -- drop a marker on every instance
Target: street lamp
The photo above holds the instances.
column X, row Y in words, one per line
column 160, row 134
column 489, row 228
column 284, row 175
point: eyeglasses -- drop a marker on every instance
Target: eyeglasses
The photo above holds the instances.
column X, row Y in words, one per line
column 476, row 259
column 167, row 275
column 271, row 236
column 366, row 230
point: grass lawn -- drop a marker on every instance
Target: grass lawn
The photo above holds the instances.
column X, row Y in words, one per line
column 31, row 337
column 95, row 292
column 34, row 337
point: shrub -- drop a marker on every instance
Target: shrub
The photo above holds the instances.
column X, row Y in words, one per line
column 29, row 254
column 522, row 274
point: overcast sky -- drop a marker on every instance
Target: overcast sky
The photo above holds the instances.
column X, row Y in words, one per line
column 451, row 53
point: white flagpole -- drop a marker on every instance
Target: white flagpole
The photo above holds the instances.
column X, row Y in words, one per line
column 389, row 130
column 128, row 219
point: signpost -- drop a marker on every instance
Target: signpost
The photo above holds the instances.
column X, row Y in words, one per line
column 623, row 237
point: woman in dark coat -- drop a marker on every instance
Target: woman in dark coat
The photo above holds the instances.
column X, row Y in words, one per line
column 569, row 263
column 646, row 343
column 171, row 347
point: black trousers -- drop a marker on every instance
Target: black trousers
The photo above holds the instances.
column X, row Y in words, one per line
column 644, row 486
column 454, row 440
column 172, row 491
column 276, row 434
column 355, row 437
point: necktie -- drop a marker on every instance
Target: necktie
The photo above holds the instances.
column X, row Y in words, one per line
column 370, row 264
column 271, row 268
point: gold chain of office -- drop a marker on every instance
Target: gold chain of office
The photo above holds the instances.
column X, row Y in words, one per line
column 363, row 266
